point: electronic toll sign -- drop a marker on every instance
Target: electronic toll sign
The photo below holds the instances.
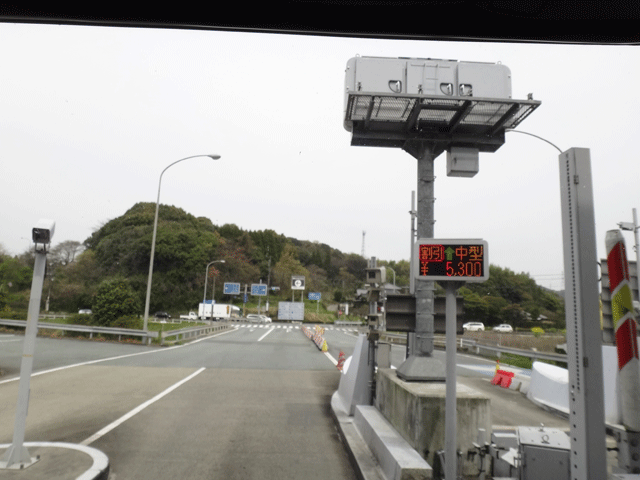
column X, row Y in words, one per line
column 451, row 260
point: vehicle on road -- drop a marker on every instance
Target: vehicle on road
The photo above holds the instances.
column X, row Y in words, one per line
column 473, row 327
column 265, row 319
column 190, row 316
column 162, row 315
column 217, row 311
column 85, row 311
column 504, row 328
column 253, row 317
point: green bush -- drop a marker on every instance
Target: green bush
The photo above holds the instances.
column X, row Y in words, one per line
column 115, row 298
column 537, row 331
column 132, row 322
column 78, row 319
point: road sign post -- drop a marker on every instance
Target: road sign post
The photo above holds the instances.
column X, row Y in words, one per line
column 297, row 283
column 259, row 290
column 453, row 262
column 231, row 288
column 316, row 296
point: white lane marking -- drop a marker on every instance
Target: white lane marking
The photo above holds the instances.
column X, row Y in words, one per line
column 51, row 370
column 330, row 357
column 90, row 362
column 138, row 409
column 272, row 329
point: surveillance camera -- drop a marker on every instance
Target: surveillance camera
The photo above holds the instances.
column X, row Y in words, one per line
column 627, row 225
column 43, row 231
column 375, row 275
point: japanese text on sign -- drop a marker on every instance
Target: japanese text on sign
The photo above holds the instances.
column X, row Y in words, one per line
column 452, row 260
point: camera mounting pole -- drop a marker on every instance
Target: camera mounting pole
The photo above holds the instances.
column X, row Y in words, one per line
column 426, row 107
column 17, row 456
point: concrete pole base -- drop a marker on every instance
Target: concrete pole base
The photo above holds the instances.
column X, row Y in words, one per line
column 422, row 369
column 17, row 459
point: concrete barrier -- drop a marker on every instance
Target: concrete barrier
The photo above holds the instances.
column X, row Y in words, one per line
column 417, row 411
column 398, row 460
column 549, row 386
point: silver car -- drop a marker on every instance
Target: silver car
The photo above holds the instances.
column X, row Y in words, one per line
column 504, row 328
column 473, row 327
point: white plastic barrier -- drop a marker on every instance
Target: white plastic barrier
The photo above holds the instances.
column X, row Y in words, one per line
column 550, row 386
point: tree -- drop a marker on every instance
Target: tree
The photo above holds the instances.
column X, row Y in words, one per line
column 114, row 299
column 65, row 252
column 14, row 275
column 287, row 266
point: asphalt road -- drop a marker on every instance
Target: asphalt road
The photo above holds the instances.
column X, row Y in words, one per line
column 252, row 402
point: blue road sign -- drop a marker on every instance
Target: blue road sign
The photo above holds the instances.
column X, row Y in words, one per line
column 259, row 289
column 231, row 288
column 314, row 295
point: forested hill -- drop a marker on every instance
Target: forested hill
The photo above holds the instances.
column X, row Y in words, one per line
column 185, row 244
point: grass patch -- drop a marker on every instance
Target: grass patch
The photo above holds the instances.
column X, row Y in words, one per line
column 516, row 361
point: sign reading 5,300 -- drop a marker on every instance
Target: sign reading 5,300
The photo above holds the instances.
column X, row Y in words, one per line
column 461, row 260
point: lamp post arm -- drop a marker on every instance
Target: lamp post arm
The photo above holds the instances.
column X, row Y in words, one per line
column 153, row 250
column 536, row 136
column 155, row 229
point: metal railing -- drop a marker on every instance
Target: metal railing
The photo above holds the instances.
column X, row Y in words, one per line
column 478, row 348
column 191, row 332
column 181, row 334
column 90, row 329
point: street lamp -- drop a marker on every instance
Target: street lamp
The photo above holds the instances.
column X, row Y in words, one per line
column 206, row 276
column 155, row 228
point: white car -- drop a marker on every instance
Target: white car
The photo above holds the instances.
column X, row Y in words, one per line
column 265, row 319
column 504, row 328
column 253, row 317
column 473, row 327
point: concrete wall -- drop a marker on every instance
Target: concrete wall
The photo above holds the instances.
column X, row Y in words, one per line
column 417, row 411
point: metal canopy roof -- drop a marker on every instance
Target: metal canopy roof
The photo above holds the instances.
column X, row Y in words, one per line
column 396, row 120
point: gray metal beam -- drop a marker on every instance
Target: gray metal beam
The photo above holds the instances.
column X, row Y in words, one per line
column 584, row 339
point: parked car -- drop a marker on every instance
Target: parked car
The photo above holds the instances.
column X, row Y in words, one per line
column 85, row 311
column 473, row 327
column 504, row 328
column 163, row 315
column 253, row 317
column 265, row 319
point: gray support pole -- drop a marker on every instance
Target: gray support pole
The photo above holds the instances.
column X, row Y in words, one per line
column 637, row 249
column 421, row 366
column 17, row 456
column 412, row 212
column 584, row 338
column 450, row 418
column 373, row 310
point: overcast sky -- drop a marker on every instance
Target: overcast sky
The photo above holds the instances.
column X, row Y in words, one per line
column 90, row 116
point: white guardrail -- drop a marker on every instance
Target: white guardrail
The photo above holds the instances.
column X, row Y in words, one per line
column 475, row 347
column 181, row 334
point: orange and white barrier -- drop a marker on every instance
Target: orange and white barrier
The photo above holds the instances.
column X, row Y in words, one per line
column 503, row 378
column 316, row 337
column 341, row 360
column 626, row 330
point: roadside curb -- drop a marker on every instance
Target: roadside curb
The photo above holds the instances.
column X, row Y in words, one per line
column 99, row 469
column 364, row 463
